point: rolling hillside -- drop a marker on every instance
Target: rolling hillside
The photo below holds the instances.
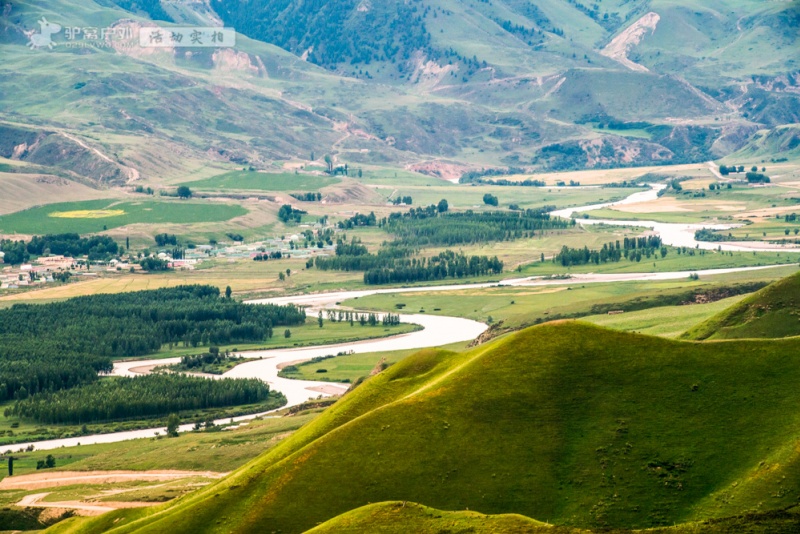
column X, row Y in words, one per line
column 402, row 517
column 495, row 83
column 769, row 313
column 566, row 423
column 776, row 143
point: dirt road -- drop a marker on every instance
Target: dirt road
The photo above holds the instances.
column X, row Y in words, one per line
column 68, row 478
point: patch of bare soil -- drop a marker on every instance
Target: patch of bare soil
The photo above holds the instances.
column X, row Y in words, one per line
column 53, row 479
column 618, row 48
column 441, row 169
column 349, row 191
column 328, row 390
column 144, row 369
column 79, row 507
column 287, row 364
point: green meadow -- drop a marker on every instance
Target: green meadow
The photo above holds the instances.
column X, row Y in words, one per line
column 98, row 215
column 471, row 197
column 699, row 261
column 304, row 335
column 200, row 451
column 521, row 306
column 263, row 181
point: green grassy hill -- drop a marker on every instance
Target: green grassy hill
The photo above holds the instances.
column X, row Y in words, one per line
column 402, row 517
column 769, row 313
column 777, row 143
column 566, row 422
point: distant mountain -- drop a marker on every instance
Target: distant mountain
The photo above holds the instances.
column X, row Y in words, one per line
column 498, row 38
column 565, row 423
column 426, row 85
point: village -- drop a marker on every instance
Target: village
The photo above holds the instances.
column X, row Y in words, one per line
column 58, row 268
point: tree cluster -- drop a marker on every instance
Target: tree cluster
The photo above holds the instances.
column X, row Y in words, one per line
column 137, row 323
column 212, row 362
column 757, row 178
column 14, row 252
column 307, row 197
column 162, row 240
column 363, row 319
column 704, row 234
column 359, row 219
column 725, row 170
column 98, row 247
column 152, row 264
column 29, row 366
column 426, row 226
column 477, row 176
column 354, row 256
column 144, row 190
column 287, row 213
column 633, row 249
column 331, row 35
column 265, row 256
column 447, row 264
column 155, row 395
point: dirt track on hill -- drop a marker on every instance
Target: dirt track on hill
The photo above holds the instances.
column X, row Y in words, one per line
column 68, row 478
column 631, row 36
column 79, row 507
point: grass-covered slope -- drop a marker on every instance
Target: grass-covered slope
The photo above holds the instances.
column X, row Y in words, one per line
column 401, row 517
column 772, row 312
column 485, row 84
column 566, row 423
column 777, row 143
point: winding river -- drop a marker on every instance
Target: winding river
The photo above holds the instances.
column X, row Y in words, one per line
column 436, row 331
column 674, row 234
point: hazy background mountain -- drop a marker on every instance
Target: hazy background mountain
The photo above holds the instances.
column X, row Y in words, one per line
column 432, row 85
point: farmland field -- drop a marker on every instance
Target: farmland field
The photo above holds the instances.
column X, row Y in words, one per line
column 518, row 306
column 469, row 197
column 261, row 181
column 99, row 215
column 21, row 191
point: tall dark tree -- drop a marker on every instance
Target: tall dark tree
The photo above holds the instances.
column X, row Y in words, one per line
column 173, row 422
